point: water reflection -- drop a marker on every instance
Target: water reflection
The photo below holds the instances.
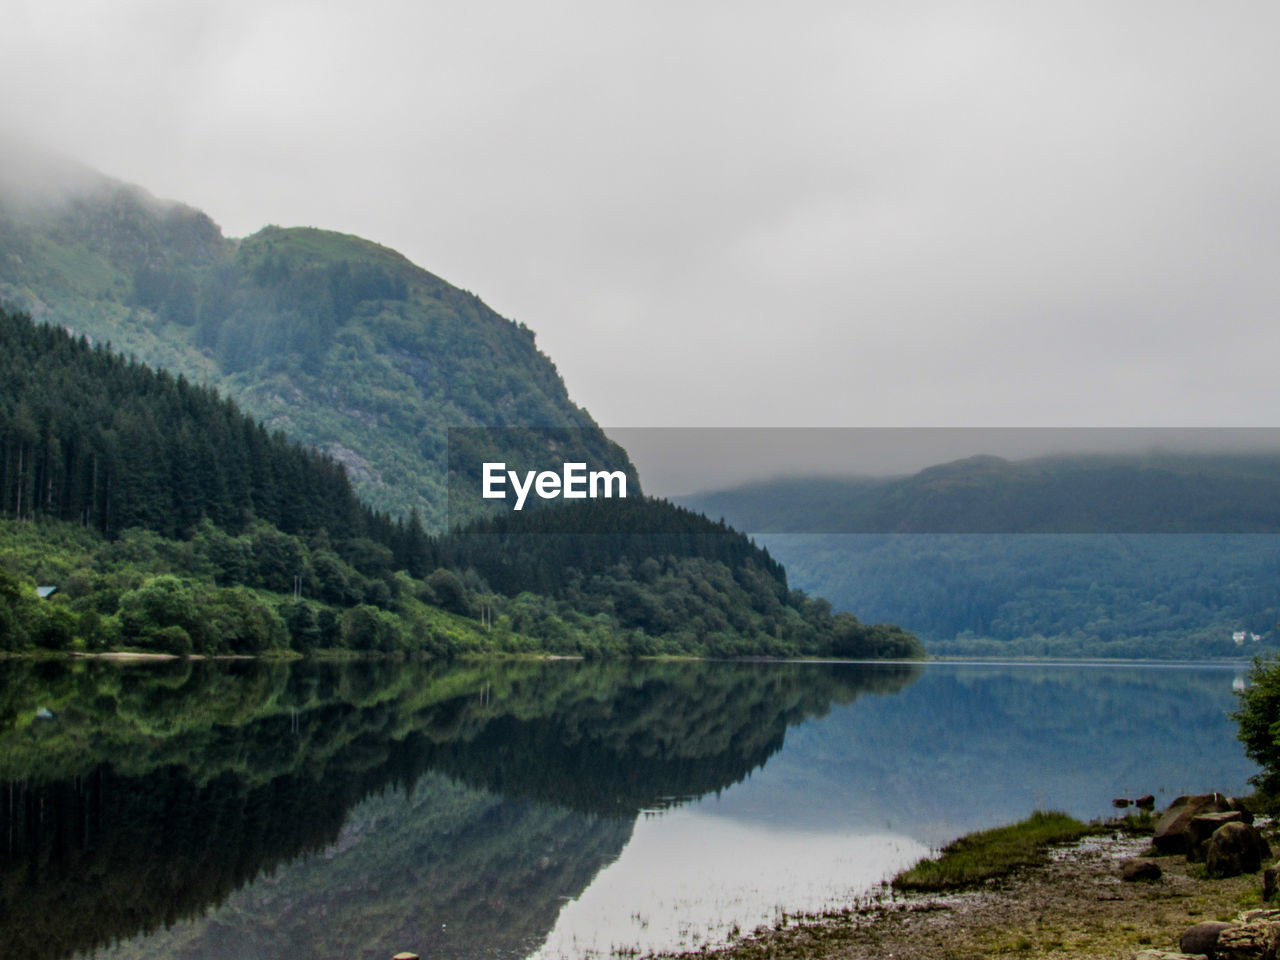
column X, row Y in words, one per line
column 354, row 810
column 140, row 796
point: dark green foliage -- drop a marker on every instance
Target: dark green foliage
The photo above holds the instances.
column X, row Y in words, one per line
column 25, row 619
column 205, row 512
column 1258, row 719
column 1116, row 595
column 88, row 437
column 367, row 628
column 446, row 591
column 676, row 580
column 13, row 605
column 204, row 596
column 302, row 621
column 172, row 616
column 555, row 545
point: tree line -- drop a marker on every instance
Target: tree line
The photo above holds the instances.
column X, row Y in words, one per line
column 101, row 443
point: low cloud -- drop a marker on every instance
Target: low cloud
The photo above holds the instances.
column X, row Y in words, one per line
column 888, row 214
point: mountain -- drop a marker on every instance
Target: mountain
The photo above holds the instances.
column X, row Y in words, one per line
column 1139, row 493
column 173, row 522
column 1157, row 555
column 214, row 534
column 1155, row 596
column 343, row 344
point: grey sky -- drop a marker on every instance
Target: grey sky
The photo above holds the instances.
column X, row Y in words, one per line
column 817, row 214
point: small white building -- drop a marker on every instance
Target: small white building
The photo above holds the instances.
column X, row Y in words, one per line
column 1238, row 637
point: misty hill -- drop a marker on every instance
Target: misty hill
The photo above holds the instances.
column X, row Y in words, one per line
column 341, row 343
column 1141, row 493
column 994, row 565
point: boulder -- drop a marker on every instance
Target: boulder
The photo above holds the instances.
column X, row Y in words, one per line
column 1233, row 849
column 1140, row 869
column 1202, row 827
column 1257, row 940
column 1235, row 803
column 1120, row 803
column 1171, row 831
column 1203, row 937
column 1269, row 883
column 1145, row 802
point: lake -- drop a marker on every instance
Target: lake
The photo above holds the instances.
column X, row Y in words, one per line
column 529, row 809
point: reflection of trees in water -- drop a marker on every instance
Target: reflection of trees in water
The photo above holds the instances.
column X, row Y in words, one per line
column 151, row 793
column 446, row 871
column 969, row 747
column 671, row 732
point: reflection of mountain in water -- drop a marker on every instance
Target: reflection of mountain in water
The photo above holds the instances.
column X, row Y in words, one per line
column 446, row 870
column 137, row 797
column 967, row 747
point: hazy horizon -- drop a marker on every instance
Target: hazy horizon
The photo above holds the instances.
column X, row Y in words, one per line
column 884, row 215
column 693, row 460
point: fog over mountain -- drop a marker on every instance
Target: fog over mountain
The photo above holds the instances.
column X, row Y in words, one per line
column 884, row 214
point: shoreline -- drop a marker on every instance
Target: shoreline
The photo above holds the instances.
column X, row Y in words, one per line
column 344, row 654
column 139, row 655
column 1071, row 905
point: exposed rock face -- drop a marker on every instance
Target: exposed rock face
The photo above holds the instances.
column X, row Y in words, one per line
column 1140, row 869
column 1235, row 848
column 357, row 466
column 1203, row 937
column 1171, row 831
column 1256, row 940
column 1168, row 955
column 1269, row 877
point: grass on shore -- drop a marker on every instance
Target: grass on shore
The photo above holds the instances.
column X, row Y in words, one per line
column 980, row 856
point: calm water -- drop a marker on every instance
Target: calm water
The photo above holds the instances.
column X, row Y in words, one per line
column 538, row 810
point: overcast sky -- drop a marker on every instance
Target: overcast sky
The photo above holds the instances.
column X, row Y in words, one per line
column 811, row 214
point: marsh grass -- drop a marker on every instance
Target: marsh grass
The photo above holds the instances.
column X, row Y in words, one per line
column 992, row 853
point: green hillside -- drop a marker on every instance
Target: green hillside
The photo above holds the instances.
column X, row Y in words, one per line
column 1165, row 596
column 343, row 344
column 173, row 522
column 1158, row 555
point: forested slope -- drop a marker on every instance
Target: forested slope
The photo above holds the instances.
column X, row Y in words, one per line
column 172, row 521
column 1142, row 555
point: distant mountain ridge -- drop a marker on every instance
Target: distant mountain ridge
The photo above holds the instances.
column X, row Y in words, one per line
column 341, row 343
column 1138, row 493
column 1160, row 555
